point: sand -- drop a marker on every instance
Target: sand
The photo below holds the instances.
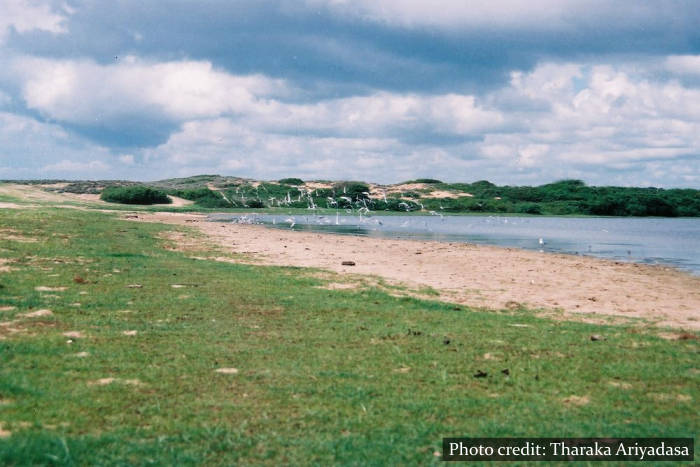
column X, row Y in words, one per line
column 575, row 287
column 36, row 193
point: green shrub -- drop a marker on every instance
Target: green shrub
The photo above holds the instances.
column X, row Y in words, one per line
column 291, row 181
column 255, row 204
column 203, row 197
column 353, row 190
column 212, row 202
column 136, row 194
column 192, row 195
column 529, row 208
column 429, row 181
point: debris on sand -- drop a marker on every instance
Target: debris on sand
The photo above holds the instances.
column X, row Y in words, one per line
column 512, row 305
column 348, row 263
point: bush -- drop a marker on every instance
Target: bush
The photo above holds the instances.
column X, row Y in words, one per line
column 428, row 181
column 255, row 204
column 291, row 181
column 212, row 202
column 137, row 194
column 529, row 208
column 203, row 197
column 194, row 195
column 353, row 190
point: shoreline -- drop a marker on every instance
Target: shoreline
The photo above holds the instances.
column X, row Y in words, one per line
column 389, row 236
column 484, row 276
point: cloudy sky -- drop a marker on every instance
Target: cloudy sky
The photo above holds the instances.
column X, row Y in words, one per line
column 516, row 92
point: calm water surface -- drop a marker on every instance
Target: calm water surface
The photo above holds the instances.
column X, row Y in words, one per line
column 674, row 242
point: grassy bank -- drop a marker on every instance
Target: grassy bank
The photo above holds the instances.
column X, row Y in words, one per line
column 323, row 376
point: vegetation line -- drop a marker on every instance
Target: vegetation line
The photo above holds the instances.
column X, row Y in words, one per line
column 566, row 197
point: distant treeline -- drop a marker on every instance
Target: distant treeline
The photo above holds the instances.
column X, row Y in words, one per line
column 566, row 197
column 572, row 197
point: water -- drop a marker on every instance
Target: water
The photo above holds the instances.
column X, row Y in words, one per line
column 674, row 242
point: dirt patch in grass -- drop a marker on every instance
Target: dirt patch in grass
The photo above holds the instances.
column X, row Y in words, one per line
column 74, row 334
column 43, row 288
column 340, row 286
column 38, row 313
column 107, row 381
column 14, row 236
column 4, row 265
column 577, row 400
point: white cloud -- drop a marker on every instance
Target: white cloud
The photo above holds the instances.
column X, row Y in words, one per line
column 5, row 99
column 65, row 165
column 85, row 92
column 540, row 14
column 28, row 15
column 597, row 117
column 127, row 159
column 379, row 114
column 600, row 123
column 684, row 64
column 559, row 120
column 224, row 146
column 29, row 148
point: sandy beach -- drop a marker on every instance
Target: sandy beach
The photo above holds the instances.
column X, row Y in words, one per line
column 576, row 287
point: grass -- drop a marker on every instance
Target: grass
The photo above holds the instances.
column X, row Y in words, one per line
column 324, row 376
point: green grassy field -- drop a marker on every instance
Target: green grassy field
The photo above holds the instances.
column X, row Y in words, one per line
column 350, row 377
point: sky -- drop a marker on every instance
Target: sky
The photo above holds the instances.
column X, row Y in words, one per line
column 515, row 92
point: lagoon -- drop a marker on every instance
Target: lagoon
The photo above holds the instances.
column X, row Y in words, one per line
column 668, row 241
